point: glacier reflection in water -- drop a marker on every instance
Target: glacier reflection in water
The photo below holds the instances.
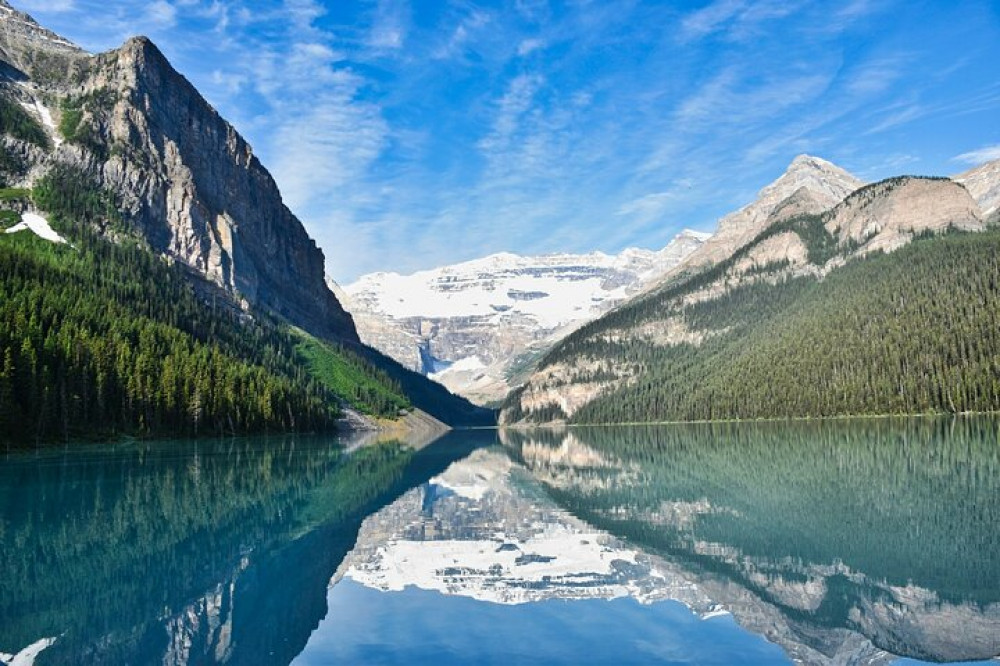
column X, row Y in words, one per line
column 840, row 542
column 823, row 543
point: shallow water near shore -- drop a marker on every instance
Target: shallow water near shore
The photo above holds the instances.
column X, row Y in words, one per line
column 867, row 542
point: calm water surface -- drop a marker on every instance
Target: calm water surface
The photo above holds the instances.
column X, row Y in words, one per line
column 867, row 542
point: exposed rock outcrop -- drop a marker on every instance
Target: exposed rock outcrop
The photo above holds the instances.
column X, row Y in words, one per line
column 183, row 177
column 806, row 234
column 887, row 215
column 983, row 183
column 809, row 185
column 477, row 326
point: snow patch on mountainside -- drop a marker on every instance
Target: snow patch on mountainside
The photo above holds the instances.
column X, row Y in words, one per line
column 38, row 225
column 553, row 289
column 471, row 324
column 43, row 113
column 27, row 656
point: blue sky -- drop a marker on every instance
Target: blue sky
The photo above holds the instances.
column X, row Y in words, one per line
column 409, row 134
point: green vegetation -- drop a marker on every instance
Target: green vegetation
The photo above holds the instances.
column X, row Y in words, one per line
column 914, row 331
column 78, row 122
column 180, row 516
column 18, row 123
column 899, row 501
column 427, row 395
column 72, row 198
column 105, row 339
column 14, row 194
column 69, row 124
column 347, row 374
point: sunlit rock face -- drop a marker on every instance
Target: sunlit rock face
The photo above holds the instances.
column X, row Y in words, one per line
column 983, row 183
column 809, row 185
column 181, row 175
column 477, row 326
column 768, row 242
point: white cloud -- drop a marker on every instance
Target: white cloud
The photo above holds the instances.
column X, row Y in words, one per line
column 466, row 30
column 162, row 14
column 516, row 101
column 529, row 45
column 897, row 118
column 389, row 26
column 979, row 156
column 647, row 206
column 737, row 20
column 47, row 5
column 711, row 17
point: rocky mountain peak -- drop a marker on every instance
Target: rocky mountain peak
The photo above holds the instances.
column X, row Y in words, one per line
column 983, row 183
column 809, row 185
column 826, row 182
column 24, row 27
column 29, row 50
column 183, row 177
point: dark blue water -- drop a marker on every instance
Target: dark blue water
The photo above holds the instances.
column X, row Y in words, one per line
column 839, row 542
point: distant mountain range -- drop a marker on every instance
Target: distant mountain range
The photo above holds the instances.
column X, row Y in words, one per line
column 477, row 325
column 813, row 300
column 823, row 296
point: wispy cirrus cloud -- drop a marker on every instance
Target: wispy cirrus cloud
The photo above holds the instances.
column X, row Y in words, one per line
column 408, row 135
column 979, row 156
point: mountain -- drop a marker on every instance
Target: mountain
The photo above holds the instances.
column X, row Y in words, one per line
column 854, row 310
column 186, row 297
column 181, row 174
column 475, row 326
column 710, row 504
column 983, row 183
column 809, row 185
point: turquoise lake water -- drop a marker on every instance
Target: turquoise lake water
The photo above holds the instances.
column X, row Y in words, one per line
column 874, row 541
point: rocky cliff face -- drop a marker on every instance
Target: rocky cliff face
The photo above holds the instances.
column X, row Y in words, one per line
column 983, row 184
column 475, row 326
column 887, row 215
column 809, row 185
column 182, row 176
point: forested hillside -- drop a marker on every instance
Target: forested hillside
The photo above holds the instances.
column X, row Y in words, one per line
column 103, row 338
column 914, row 331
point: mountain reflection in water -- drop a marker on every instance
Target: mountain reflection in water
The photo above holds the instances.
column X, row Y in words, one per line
column 828, row 543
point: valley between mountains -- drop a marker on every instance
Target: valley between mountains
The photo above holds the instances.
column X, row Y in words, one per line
column 154, row 283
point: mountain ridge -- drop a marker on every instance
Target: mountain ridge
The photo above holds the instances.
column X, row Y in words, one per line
column 470, row 325
column 593, row 364
column 184, row 176
column 123, row 144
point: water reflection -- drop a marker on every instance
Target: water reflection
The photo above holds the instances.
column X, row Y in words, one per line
column 822, row 543
column 837, row 540
column 187, row 552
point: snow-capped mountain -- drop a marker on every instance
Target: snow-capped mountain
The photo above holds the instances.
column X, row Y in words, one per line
column 472, row 325
column 475, row 532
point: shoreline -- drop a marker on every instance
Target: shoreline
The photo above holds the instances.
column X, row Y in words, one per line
column 552, row 425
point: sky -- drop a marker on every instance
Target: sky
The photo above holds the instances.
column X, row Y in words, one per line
column 407, row 135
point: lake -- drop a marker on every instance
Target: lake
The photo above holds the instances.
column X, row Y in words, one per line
column 835, row 542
